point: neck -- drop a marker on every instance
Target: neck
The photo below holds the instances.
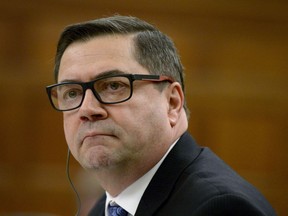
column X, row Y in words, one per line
column 116, row 179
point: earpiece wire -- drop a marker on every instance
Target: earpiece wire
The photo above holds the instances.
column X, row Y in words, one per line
column 78, row 199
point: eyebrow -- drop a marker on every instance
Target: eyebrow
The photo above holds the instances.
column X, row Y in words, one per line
column 109, row 73
column 102, row 74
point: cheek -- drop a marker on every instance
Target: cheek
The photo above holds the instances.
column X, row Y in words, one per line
column 69, row 130
column 144, row 120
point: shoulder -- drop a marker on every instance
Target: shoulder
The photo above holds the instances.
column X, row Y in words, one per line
column 207, row 185
column 232, row 204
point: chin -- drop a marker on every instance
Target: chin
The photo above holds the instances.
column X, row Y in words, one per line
column 95, row 159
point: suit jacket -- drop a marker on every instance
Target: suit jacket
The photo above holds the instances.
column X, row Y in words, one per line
column 193, row 181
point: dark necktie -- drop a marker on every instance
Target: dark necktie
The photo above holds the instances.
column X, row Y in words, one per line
column 116, row 211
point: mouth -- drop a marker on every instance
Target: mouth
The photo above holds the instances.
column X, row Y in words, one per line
column 95, row 136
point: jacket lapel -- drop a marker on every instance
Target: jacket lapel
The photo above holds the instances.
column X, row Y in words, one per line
column 99, row 208
column 161, row 185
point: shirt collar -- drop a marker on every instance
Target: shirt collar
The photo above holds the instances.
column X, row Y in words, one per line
column 129, row 199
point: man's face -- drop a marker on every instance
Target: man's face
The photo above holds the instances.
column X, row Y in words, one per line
column 115, row 135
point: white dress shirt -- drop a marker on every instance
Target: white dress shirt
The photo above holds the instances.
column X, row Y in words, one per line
column 129, row 199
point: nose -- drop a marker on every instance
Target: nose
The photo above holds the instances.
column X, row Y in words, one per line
column 91, row 109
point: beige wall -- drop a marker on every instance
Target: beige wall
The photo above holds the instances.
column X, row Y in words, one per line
column 235, row 55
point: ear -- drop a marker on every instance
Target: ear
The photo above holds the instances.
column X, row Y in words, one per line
column 175, row 102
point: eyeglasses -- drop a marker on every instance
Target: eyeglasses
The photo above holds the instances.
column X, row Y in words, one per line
column 108, row 90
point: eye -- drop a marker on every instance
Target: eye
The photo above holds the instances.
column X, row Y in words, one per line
column 72, row 94
column 114, row 85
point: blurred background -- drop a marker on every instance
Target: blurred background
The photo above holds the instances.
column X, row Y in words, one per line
column 236, row 59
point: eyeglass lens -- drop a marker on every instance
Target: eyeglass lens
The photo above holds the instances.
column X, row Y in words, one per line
column 109, row 90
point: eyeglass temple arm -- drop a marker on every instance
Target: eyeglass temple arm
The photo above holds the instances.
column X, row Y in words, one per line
column 153, row 78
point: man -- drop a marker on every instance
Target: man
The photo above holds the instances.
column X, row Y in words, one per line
column 120, row 87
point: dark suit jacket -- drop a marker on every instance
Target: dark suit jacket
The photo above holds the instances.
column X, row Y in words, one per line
column 193, row 181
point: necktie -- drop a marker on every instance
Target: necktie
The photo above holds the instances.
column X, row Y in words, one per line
column 116, row 210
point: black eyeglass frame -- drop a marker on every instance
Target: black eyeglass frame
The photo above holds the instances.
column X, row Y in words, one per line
column 90, row 85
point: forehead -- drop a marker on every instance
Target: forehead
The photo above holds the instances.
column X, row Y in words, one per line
column 85, row 60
